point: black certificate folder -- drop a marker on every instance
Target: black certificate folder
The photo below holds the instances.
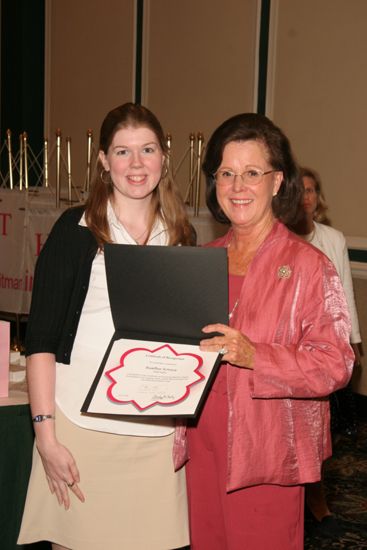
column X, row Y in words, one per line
column 161, row 297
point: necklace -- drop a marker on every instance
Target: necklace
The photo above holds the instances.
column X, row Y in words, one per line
column 137, row 239
column 125, row 226
column 231, row 313
column 241, row 264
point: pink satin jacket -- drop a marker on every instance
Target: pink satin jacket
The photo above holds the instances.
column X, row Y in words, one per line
column 292, row 307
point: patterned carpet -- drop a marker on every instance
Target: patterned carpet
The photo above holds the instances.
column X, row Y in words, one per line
column 346, row 490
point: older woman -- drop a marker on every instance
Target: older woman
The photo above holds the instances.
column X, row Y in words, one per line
column 264, row 430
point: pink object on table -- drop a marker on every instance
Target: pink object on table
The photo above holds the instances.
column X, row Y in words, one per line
column 4, row 358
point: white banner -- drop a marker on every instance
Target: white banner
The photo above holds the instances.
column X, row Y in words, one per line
column 24, row 226
column 12, row 244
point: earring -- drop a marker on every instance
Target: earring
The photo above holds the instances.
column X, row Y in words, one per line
column 163, row 175
column 103, row 172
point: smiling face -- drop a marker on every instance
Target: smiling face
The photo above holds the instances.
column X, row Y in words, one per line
column 134, row 161
column 247, row 206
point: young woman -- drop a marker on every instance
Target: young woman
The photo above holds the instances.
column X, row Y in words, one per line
column 98, row 482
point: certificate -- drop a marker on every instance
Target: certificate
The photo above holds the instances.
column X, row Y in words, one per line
column 149, row 378
column 161, row 297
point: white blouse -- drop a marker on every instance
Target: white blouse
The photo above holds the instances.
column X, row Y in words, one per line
column 332, row 243
column 94, row 333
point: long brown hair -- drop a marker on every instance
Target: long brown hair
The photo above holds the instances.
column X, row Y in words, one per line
column 166, row 204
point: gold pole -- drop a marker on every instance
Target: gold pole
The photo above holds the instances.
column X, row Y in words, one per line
column 198, row 175
column 10, row 159
column 191, row 170
column 25, row 153
column 89, row 159
column 45, row 162
column 169, row 144
column 58, row 160
column 20, row 162
column 68, row 148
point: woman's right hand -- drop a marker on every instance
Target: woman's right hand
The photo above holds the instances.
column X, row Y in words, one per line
column 61, row 471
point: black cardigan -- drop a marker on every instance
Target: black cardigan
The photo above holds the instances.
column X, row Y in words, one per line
column 60, row 286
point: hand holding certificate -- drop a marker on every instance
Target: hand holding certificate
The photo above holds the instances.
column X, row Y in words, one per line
column 161, row 370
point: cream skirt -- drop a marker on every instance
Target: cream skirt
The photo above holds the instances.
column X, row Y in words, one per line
column 133, row 498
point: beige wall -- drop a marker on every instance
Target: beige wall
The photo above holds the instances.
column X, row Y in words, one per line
column 89, row 68
column 319, row 96
column 199, row 66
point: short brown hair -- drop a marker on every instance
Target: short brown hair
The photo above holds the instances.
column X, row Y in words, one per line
column 253, row 126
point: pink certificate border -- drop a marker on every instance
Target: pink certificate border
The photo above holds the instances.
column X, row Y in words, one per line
column 133, row 350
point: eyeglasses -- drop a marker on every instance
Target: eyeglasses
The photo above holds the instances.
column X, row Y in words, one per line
column 252, row 176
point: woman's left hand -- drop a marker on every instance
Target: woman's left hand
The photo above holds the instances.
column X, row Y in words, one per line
column 235, row 346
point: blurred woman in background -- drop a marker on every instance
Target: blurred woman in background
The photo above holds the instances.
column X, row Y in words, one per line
column 314, row 227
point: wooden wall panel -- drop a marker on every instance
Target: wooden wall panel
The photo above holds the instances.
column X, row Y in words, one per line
column 90, row 68
column 199, row 65
column 319, row 95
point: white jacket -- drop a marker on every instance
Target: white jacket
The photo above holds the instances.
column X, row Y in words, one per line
column 332, row 243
